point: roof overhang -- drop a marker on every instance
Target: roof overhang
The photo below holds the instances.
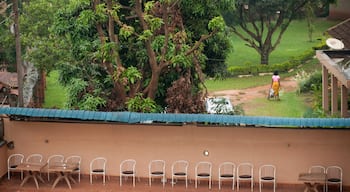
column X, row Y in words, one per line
column 329, row 58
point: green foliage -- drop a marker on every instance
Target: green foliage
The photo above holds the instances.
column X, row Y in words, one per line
column 140, row 104
column 77, row 86
column 146, row 34
column 91, row 103
column 126, row 31
column 217, row 24
column 308, row 81
column 154, row 22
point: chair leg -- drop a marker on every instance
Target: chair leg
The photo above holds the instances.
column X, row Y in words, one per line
column 259, row 186
column 251, row 185
column 209, row 182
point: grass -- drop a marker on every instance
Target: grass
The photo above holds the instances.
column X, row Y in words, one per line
column 55, row 94
column 294, row 42
column 290, row 105
column 237, row 83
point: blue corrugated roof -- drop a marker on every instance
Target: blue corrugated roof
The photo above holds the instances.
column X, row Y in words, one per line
column 131, row 117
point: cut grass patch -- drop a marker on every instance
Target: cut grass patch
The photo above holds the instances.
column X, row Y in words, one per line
column 55, row 94
column 237, row 83
column 290, row 105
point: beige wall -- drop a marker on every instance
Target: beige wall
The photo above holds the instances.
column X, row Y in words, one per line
column 291, row 150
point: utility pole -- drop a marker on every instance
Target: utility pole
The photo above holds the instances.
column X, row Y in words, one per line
column 19, row 64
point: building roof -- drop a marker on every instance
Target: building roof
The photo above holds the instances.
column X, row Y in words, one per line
column 133, row 118
column 341, row 31
column 9, row 79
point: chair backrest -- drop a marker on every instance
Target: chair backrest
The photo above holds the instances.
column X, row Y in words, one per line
column 267, row 171
column 73, row 159
column 54, row 159
column 128, row 165
column 180, row 166
column 203, row 167
column 34, row 158
column 317, row 169
column 156, row 166
column 14, row 160
column 245, row 169
column 334, row 172
column 227, row 169
column 98, row 164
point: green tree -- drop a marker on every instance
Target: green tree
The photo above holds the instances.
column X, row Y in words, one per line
column 129, row 48
column 262, row 23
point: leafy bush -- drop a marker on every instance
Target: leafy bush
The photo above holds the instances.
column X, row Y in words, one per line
column 308, row 81
column 140, row 104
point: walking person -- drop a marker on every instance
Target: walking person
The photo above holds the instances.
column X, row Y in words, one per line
column 276, row 85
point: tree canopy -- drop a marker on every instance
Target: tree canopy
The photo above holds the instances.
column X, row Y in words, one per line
column 113, row 53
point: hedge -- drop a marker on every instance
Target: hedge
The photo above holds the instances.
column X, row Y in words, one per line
column 250, row 69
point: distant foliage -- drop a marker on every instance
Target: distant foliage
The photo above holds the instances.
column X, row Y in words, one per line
column 308, row 81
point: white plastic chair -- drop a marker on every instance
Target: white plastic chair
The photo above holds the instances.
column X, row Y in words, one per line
column 334, row 176
column 74, row 159
column 34, row 158
column 203, row 171
column 12, row 162
column 318, row 169
column 267, row 174
column 156, row 168
column 127, row 169
column 98, row 167
column 227, row 171
column 245, row 172
column 53, row 160
column 179, row 170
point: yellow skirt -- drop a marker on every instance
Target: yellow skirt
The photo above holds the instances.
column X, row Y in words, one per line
column 276, row 88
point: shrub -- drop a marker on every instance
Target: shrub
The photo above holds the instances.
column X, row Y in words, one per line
column 308, row 81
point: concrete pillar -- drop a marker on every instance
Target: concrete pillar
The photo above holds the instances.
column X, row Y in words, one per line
column 325, row 97
column 334, row 93
column 344, row 101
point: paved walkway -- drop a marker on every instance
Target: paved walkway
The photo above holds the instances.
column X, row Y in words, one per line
column 141, row 186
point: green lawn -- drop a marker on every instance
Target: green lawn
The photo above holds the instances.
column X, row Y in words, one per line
column 290, row 105
column 55, row 94
column 294, row 42
column 237, row 83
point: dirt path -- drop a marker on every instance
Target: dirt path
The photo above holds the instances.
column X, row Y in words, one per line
column 243, row 96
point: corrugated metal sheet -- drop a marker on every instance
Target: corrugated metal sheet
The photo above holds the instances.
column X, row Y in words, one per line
column 131, row 117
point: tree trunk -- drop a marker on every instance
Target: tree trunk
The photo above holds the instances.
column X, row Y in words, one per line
column 151, row 90
column 264, row 58
column 19, row 65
